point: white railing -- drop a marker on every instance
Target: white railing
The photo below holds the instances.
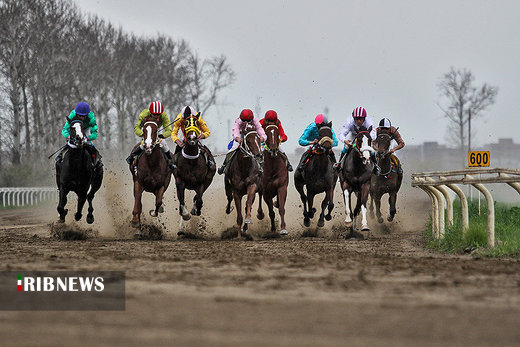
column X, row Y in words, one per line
column 16, row 196
column 435, row 183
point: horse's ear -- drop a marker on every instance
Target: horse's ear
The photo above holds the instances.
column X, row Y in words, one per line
column 329, row 124
column 369, row 129
column 198, row 115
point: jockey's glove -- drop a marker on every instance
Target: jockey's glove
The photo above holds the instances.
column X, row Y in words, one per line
column 161, row 136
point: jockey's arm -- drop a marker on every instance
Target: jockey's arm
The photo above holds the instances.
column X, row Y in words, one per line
column 139, row 125
column 204, row 129
column 176, row 128
column 399, row 140
column 93, row 127
column 165, row 124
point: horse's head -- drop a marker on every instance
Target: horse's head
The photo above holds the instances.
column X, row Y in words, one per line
column 325, row 140
column 252, row 143
column 363, row 144
column 150, row 135
column 191, row 129
column 76, row 131
column 273, row 138
column 383, row 142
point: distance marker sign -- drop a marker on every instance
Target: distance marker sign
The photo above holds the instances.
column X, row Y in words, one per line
column 478, row 158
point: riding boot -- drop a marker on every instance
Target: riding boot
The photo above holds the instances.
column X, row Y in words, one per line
column 171, row 163
column 134, row 154
column 332, row 157
column 226, row 161
column 211, row 161
column 337, row 166
column 289, row 166
column 303, row 160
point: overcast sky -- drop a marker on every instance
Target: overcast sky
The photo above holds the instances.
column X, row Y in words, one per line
column 298, row 57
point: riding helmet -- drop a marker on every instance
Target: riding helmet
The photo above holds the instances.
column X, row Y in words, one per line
column 271, row 115
column 246, row 115
column 359, row 112
column 385, row 123
column 156, row 107
column 82, row 109
column 321, row 118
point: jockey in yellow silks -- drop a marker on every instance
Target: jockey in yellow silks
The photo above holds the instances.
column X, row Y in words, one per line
column 186, row 121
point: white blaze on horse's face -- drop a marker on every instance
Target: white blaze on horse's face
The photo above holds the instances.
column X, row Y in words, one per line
column 192, row 137
column 148, row 137
column 366, row 149
column 77, row 129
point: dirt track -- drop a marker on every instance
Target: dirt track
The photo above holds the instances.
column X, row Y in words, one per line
column 383, row 290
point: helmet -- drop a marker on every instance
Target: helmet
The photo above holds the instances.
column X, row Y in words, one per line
column 271, row 115
column 359, row 112
column 246, row 115
column 321, row 118
column 188, row 111
column 82, row 109
column 156, row 108
column 385, row 123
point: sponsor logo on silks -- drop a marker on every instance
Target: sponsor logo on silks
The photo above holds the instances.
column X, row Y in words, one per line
column 60, row 284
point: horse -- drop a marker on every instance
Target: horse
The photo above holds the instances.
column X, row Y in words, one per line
column 318, row 176
column 151, row 175
column 387, row 180
column 355, row 176
column 76, row 173
column 274, row 179
column 192, row 173
column 244, row 174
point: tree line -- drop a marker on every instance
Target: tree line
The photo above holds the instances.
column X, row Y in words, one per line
column 53, row 56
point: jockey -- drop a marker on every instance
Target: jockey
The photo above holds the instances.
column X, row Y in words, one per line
column 83, row 111
column 310, row 137
column 385, row 127
column 156, row 112
column 245, row 116
column 270, row 118
column 351, row 128
column 201, row 128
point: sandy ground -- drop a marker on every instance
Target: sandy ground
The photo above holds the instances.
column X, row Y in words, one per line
column 384, row 289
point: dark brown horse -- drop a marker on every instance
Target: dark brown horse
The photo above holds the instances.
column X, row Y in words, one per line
column 153, row 175
column 192, row 173
column 389, row 178
column 356, row 172
column 244, row 174
column 275, row 178
column 318, row 176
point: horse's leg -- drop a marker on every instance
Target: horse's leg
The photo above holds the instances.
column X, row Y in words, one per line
column 346, row 200
column 392, row 199
column 303, row 198
column 365, row 190
column 251, row 193
column 158, row 200
column 371, row 208
column 260, row 213
column 270, row 207
column 82, row 198
column 330, row 204
column 96, row 184
column 229, row 195
column 238, row 206
column 61, row 205
column 324, row 203
column 197, row 201
column 183, row 211
column 377, row 200
column 138, row 207
column 310, row 202
column 282, row 197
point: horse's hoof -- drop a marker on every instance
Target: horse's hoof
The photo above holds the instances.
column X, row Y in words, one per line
column 307, row 222
column 161, row 209
column 77, row 216
column 135, row 224
column 181, row 233
column 138, row 234
column 260, row 216
column 90, row 219
column 193, row 211
column 328, row 217
column 321, row 223
column 61, row 220
column 186, row 216
column 365, row 228
column 152, row 213
column 248, row 221
column 283, row 232
column 390, row 218
column 348, row 224
column 380, row 219
column 228, row 210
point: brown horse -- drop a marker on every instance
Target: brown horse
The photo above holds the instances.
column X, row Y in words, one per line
column 192, row 173
column 275, row 178
column 389, row 178
column 356, row 172
column 153, row 175
column 243, row 176
column 318, row 176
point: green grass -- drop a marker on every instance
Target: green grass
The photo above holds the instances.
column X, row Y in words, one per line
column 507, row 232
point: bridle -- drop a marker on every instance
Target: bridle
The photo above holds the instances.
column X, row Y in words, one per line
column 272, row 151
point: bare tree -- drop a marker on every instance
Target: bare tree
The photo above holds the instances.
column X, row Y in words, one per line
column 463, row 102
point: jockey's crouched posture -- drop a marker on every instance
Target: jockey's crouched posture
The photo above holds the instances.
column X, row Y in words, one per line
column 245, row 116
column 83, row 112
column 271, row 118
column 310, row 137
column 183, row 122
column 157, row 114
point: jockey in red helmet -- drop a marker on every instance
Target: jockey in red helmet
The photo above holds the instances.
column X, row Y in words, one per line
column 245, row 116
column 271, row 118
column 156, row 112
